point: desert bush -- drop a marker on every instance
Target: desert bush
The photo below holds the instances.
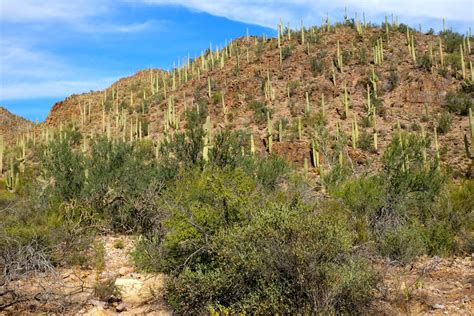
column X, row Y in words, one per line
column 184, row 147
column 107, row 291
column 425, row 62
column 317, row 65
column 286, row 52
column 217, row 98
column 403, row 243
column 66, row 167
column 259, row 112
column 451, row 40
column 200, row 204
column 194, row 117
column 226, row 151
column 459, row 102
column 392, row 80
column 443, row 122
column 271, row 171
column 287, row 259
column 366, row 142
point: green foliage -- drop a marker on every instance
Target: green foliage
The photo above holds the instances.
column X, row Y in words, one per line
column 185, row 147
column 195, row 118
column 119, row 244
column 107, row 291
column 425, row 62
column 259, row 112
column 99, row 257
column 286, row 52
column 366, row 142
column 443, row 122
column 286, row 259
column 227, row 149
column 271, row 171
column 459, row 102
column 317, row 65
column 403, row 243
column 451, row 40
column 217, row 98
column 201, row 204
column 66, row 166
column 392, row 80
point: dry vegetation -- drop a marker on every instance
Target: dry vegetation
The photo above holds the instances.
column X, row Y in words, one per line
column 297, row 174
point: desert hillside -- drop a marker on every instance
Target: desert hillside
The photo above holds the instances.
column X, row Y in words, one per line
column 327, row 170
column 12, row 125
column 247, row 80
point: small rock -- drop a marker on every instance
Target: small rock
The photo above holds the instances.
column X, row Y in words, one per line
column 97, row 303
column 96, row 311
column 125, row 270
column 121, row 307
column 437, row 306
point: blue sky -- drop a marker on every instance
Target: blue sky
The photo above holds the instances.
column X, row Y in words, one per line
column 53, row 48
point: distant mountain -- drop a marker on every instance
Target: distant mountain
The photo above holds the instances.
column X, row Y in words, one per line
column 12, row 125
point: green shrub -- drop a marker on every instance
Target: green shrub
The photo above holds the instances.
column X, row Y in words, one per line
column 119, row 244
column 217, row 98
column 366, row 142
column 107, row 290
column 425, row 62
column 194, row 118
column 451, row 40
column 66, row 166
column 271, row 171
column 285, row 260
column 227, row 149
column 286, row 52
column 259, row 112
column 403, row 243
column 201, row 203
column 444, row 121
column 317, row 66
column 459, row 102
column 392, row 80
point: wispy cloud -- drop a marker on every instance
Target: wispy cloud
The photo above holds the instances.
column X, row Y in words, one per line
column 268, row 12
column 51, row 88
column 120, row 28
column 50, row 10
column 26, row 72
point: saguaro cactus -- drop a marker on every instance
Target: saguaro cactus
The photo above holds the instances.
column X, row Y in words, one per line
column 315, row 154
column 12, row 180
column 252, row 145
column 463, row 66
column 339, row 56
column 2, row 149
column 470, row 152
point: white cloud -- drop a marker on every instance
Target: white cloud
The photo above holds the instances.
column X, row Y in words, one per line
column 80, row 15
column 51, row 88
column 26, row 72
column 47, row 10
column 119, row 28
column 268, row 12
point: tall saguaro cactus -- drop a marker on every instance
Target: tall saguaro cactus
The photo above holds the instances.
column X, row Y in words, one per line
column 12, row 180
column 2, row 149
column 470, row 152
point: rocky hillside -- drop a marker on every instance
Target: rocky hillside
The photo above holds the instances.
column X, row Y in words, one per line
column 12, row 125
column 407, row 82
